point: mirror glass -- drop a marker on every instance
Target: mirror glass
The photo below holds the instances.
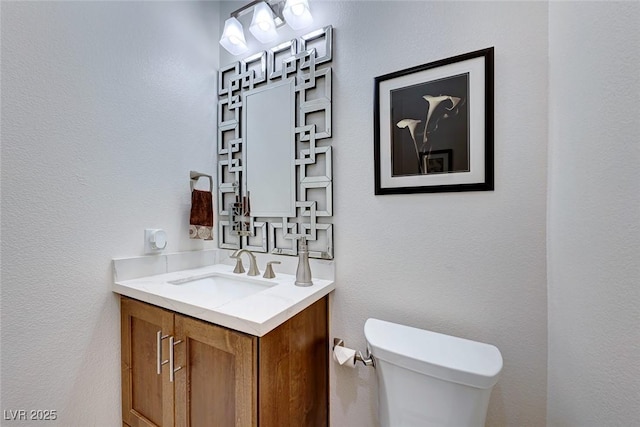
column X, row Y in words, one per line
column 269, row 149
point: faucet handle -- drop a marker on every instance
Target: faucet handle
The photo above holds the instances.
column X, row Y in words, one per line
column 239, row 267
column 268, row 272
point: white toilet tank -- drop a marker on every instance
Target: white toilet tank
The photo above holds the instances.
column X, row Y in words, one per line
column 427, row 379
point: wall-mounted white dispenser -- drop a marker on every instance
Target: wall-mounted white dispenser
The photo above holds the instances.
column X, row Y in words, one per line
column 155, row 240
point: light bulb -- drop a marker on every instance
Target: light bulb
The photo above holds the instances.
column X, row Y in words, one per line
column 264, row 26
column 297, row 9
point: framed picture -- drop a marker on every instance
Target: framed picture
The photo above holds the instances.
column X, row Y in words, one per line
column 433, row 126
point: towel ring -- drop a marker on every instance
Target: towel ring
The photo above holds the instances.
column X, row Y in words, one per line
column 197, row 175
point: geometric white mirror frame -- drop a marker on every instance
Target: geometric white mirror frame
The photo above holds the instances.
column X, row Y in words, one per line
column 287, row 149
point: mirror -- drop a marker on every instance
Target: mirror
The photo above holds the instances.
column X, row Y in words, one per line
column 269, row 149
column 274, row 145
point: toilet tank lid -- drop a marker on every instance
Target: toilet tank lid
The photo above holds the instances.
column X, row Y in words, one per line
column 441, row 356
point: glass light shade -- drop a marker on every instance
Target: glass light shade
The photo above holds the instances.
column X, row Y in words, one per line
column 297, row 14
column 233, row 37
column 262, row 26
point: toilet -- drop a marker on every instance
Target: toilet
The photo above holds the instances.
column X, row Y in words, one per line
column 427, row 379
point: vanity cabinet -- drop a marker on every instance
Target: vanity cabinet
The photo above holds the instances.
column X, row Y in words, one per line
column 222, row 377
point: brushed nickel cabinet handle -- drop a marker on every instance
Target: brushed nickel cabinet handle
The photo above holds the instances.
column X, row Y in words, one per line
column 172, row 370
column 159, row 363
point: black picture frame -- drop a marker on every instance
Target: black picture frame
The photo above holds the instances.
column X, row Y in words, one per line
column 438, row 114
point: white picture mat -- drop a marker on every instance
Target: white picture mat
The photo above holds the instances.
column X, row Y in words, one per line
column 475, row 67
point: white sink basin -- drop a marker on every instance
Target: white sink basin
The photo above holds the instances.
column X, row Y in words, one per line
column 222, row 288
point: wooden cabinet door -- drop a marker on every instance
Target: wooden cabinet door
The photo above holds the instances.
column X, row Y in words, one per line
column 147, row 398
column 293, row 366
column 216, row 384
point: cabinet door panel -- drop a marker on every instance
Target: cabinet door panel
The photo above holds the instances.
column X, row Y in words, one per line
column 147, row 398
column 294, row 384
column 146, row 384
column 216, row 385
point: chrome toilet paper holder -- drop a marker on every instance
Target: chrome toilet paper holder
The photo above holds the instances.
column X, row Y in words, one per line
column 367, row 360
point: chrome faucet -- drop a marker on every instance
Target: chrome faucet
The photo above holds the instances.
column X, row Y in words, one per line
column 253, row 265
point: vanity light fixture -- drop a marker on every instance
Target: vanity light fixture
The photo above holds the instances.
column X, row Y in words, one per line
column 267, row 16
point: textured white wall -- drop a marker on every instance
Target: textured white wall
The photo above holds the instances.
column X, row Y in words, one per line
column 467, row 264
column 106, row 106
column 594, row 214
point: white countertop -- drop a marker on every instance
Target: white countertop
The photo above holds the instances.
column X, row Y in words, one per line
column 256, row 314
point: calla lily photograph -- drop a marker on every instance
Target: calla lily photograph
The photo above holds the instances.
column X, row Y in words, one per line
column 433, row 126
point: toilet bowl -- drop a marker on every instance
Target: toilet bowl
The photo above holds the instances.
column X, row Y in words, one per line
column 428, row 379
